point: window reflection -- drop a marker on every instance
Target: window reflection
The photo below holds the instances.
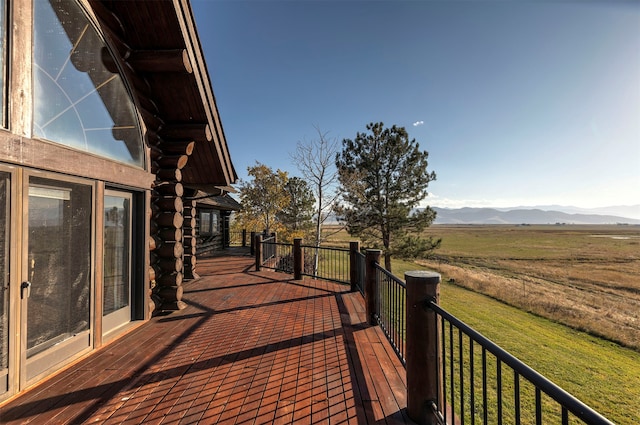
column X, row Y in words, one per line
column 116, row 253
column 4, row 272
column 59, row 262
column 77, row 101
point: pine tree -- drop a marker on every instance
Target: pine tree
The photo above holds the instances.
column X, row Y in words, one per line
column 297, row 215
column 383, row 176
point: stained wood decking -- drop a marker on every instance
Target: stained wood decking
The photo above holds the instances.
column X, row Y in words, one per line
column 251, row 348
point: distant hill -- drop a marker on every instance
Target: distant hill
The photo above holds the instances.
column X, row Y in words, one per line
column 628, row 211
column 523, row 216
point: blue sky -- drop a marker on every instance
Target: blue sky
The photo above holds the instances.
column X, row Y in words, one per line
column 517, row 102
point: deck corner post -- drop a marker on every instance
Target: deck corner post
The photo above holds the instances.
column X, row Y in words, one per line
column 252, row 241
column 422, row 349
column 257, row 247
column 244, row 238
column 298, row 259
column 370, row 291
column 354, row 249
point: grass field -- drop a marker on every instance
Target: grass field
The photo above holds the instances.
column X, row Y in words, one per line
column 586, row 277
column 600, row 373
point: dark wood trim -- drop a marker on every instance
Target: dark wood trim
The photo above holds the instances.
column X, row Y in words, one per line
column 146, row 303
column 53, row 157
column 98, row 263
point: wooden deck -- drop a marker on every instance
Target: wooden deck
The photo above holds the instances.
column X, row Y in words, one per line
column 251, row 348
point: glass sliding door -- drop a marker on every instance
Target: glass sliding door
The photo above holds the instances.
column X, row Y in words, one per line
column 4, row 280
column 116, row 307
column 56, row 288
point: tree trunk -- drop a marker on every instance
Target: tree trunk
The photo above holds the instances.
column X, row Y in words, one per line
column 387, row 261
column 316, row 253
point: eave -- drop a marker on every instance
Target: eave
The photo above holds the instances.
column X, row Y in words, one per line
column 162, row 60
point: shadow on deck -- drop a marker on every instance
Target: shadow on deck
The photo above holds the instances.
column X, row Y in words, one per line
column 250, row 348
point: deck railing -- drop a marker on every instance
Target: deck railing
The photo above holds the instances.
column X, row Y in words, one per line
column 459, row 375
column 272, row 254
column 484, row 384
column 327, row 263
column 390, row 309
column 342, row 265
column 238, row 238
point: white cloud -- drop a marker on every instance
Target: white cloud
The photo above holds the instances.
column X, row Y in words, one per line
column 417, row 123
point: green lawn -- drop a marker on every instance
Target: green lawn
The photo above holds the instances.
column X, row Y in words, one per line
column 602, row 374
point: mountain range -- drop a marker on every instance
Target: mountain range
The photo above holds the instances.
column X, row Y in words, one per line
column 537, row 215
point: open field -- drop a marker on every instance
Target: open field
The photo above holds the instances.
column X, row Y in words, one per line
column 600, row 373
column 587, row 277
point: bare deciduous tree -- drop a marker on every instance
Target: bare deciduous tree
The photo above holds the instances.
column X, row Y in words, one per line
column 316, row 161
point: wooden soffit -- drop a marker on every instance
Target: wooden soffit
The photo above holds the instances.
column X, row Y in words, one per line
column 162, row 60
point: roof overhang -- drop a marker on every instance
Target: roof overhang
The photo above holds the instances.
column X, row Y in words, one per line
column 164, row 66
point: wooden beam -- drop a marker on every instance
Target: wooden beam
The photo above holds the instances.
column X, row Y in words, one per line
column 167, row 203
column 195, row 131
column 173, row 148
column 169, row 188
column 160, row 61
column 171, row 161
column 169, row 175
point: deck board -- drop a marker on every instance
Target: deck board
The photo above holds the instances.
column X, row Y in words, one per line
column 250, row 348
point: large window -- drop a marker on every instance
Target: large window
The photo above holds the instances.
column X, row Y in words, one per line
column 78, row 102
column 209, row 222
column 4, row 273
column 59, row 262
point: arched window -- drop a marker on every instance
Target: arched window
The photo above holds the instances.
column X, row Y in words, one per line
column 77, row 101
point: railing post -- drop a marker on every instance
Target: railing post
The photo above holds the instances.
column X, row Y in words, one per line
column 244, row 238
column 298, row 259
column 423, row 352
column 253, row 243
column 258, row 249
column 370, row 292
column 354, row 248
column 274, row 235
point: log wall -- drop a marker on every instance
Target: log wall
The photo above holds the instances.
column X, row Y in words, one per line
column 168, row 217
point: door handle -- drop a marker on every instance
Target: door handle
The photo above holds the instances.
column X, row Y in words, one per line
column 25, row 288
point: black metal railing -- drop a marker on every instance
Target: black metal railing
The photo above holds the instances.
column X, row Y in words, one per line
column 390, row 309
column 482, row 383
column 277, row 256
column 237, row 238
column 326, row 263
column 268, row 249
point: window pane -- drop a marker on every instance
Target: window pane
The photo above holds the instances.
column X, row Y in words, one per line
column 116, row 253
column 78, row 102
column 4, row 271
column 214, row 222
column 205, row 222
column 59, row 262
